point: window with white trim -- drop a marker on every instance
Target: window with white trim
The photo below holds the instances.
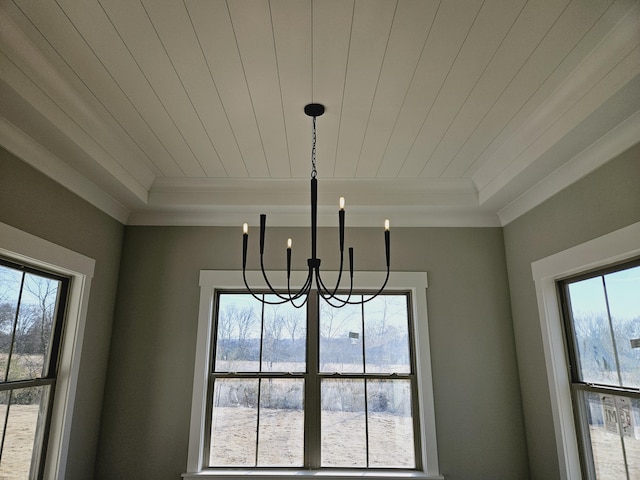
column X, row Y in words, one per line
column 313, row 387
column 291, row 391
column 32, row 304
column 45, row 263
column 602, row 324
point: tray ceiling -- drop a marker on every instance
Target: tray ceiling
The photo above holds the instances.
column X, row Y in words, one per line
column 437, row 113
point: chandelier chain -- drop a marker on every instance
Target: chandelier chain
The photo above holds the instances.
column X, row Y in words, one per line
column 314, row 172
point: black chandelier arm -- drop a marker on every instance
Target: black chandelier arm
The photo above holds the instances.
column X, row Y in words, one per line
column 285, row 298
column 329, row 296
column 304, row 291
column 260, row 297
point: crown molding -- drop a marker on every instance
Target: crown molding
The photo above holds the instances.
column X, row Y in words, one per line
column 604, row 71
column 299, row 216
column 597, row 154
column 27, row 149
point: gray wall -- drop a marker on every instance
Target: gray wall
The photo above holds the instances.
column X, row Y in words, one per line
column 35, row 204
column 144, row 432
column 604, row 201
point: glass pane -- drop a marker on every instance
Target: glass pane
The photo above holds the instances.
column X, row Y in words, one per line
column 10, row 281
column 390, row 424
column 341, row 338
column 610, row 419
column 33, row 328
column 284, row 338
column 623, row 293
column 593, row 335
column 22, row 425
column 632, row 438
column 234, row 423
column 281, row 428
column 238, row 334
column 387, row 335
column 343, row 423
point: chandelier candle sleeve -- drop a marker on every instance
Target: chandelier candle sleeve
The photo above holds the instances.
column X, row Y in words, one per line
column 387, row 241
column 288, row 259
column 245, row 239
column 341, row 224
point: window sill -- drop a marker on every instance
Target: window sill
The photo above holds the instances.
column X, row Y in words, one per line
column 310, row 474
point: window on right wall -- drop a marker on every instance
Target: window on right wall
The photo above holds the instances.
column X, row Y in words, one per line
column 601, row 311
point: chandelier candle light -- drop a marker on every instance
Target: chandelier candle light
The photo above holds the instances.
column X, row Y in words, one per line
column 299, row 298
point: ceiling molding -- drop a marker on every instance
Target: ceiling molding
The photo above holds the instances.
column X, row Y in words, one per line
column 597, row 154
column 27, row 149
column 607, row 69
column 32, row 76
column 297, row 216
column 370, row 192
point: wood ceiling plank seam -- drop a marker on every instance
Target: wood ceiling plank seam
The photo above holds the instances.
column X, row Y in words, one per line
column 211, row 164
column 186, row 92
column 278, row 76
column 74, row 96
column 146, row 100
column 176, row 32
column 375, row 90
column 332, row 158
column 133, row 27
column 213, row 26
column 291, row 21
column 255, row 43
column 402, row 170
column 451, row 26
column 434, row 167
column 489, row 28
column 244, row 72
column 536, row 95
column 160, row 156
column 62, row 54
column 406, row 93
column 411, row 26
column 371, row 28
column 232, row 132
column 459, row 165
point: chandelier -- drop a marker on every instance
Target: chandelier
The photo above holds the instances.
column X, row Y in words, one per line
column 298, row 298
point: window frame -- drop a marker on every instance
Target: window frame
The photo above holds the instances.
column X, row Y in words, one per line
column 25, row 248
column 614, row 247
column 51, row 365
column 577, row 384
column 213, row 280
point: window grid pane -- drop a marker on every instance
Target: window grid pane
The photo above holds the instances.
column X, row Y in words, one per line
column 260, row 375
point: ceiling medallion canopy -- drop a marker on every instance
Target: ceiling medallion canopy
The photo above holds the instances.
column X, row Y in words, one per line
column 298, row 298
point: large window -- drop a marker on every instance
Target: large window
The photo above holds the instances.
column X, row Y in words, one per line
column 31, row 328
column 602, row 324
column 31, row 319
column 313, row 387
column 282, row 392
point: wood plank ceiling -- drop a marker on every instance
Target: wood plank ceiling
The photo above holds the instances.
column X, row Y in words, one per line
column 457, row 112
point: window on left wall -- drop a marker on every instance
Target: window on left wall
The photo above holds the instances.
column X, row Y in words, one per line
column 32, row 312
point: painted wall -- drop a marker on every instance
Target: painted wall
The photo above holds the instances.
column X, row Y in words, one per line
column 35, row 204
column 604, row 201
column 144, row 432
